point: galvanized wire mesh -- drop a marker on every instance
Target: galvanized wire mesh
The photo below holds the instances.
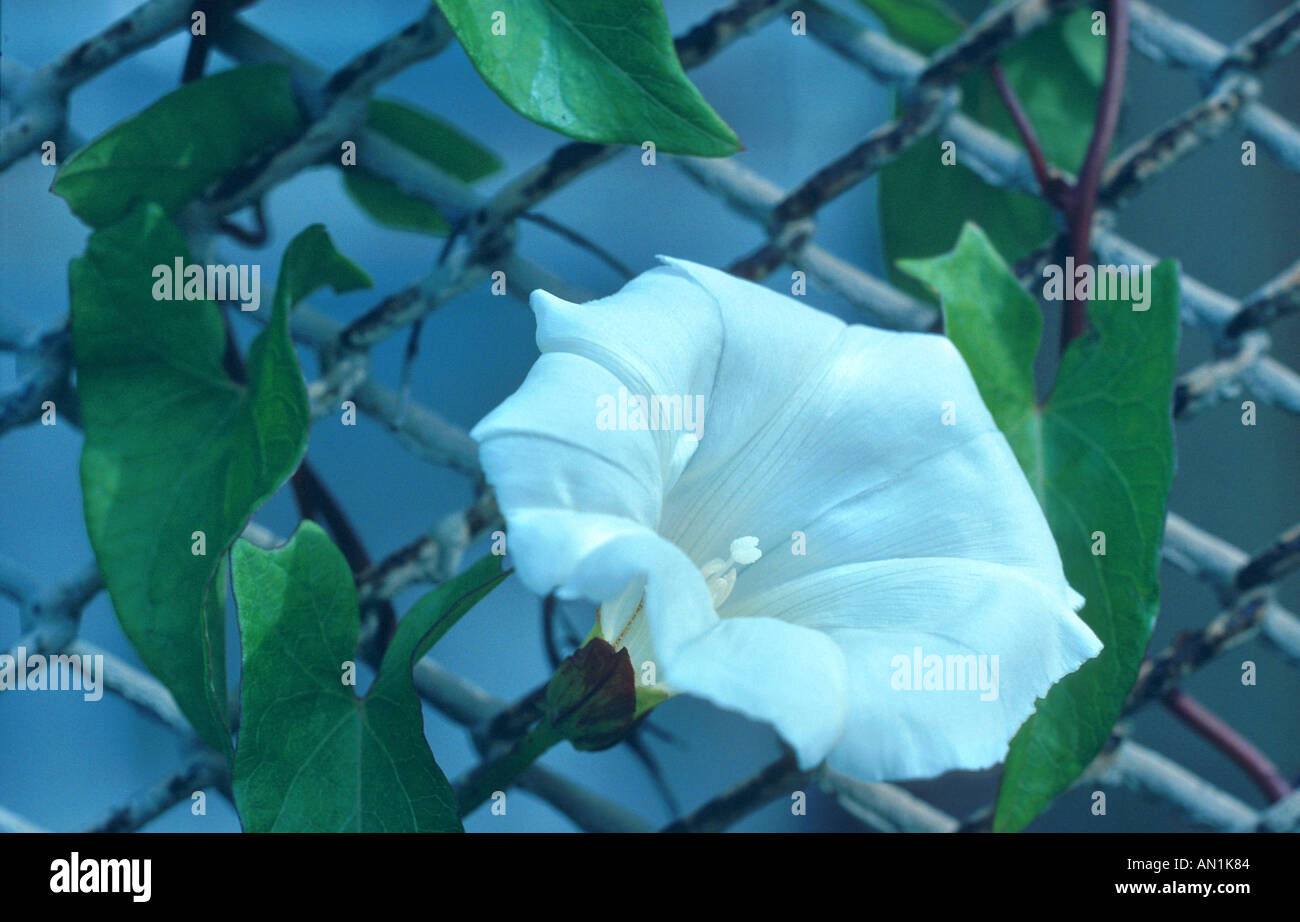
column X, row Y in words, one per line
column 336, row 102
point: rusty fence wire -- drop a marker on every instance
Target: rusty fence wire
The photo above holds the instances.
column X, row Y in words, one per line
column 1229, row 76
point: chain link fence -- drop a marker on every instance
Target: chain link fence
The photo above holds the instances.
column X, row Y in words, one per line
column 484, row 242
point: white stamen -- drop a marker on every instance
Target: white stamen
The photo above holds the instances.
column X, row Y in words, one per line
column 744, row 551
column 720, row 575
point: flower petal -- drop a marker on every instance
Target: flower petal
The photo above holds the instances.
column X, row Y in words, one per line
column 772, row 345
column 769, row 670
column 839, row 432
column 542, row 447
column 971, row 502
column 877, row 612
column 919, row 530
column 660, row 335
column 597, row 557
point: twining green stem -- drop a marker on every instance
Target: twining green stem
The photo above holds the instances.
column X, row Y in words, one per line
column 499, row 773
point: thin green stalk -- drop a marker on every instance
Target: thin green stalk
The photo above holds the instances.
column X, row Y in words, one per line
column 499, row 773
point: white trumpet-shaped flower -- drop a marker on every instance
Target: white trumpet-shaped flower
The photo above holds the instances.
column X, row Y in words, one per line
column 842, row 544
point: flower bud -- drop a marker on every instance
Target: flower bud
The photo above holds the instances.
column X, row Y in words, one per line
column 592, row 697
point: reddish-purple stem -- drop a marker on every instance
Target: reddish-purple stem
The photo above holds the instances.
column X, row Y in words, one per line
column 1206, row 723
column 1025, row 128
column 1084, row 200
column 1078, row 204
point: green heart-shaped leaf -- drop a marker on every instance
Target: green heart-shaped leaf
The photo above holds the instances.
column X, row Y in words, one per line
column 591, row 69
column 1099, row 455
column 312, row 756
column 181, row 144
column 177, row 455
